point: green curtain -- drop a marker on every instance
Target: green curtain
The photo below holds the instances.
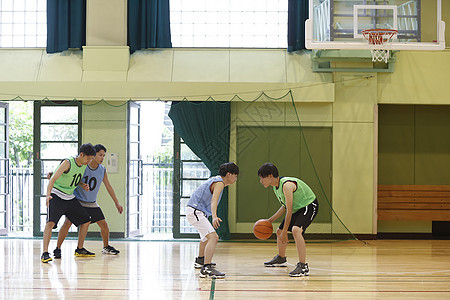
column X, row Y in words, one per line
column 66, row 25
column 205, row 128
column 148, row 24
column 297, row 15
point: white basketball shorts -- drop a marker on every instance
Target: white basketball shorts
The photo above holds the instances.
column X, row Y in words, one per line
column 198, row 219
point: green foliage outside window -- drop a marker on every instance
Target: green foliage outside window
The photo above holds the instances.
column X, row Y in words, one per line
column 21, row 133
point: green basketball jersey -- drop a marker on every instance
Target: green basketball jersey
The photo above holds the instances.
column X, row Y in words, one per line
column 69, row 180
column 302, row 197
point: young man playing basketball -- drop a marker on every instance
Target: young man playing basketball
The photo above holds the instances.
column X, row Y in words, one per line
column 299, row 203
column 60, row 199
column 94, row 175
column 202, row 204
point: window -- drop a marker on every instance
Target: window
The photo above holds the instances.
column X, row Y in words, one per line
column 189, row 173
column 23, row 23
column 229, row 23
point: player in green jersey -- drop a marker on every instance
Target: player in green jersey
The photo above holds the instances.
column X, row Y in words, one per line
column 299, row 203
column 61, row 201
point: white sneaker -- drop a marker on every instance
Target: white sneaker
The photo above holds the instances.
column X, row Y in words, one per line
column 110, row 250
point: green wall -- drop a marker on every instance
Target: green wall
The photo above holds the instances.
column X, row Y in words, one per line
column 291, row 151
column 414, row 144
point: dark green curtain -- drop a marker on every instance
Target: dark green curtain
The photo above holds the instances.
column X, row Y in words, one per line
column 297, row 15
column 148, row 24
column 205, row 128
column 66, row 25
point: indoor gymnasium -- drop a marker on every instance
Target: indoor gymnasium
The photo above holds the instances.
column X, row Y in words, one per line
column 224, row 149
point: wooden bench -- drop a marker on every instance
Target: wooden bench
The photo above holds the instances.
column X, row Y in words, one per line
column 414, row 202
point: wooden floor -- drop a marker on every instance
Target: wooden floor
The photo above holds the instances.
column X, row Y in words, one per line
column 386, row 269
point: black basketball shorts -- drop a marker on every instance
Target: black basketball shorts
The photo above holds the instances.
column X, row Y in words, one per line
column 96, row 213
column 303, row 217
column 73, row 210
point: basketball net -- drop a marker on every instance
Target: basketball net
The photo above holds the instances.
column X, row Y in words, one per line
column 379, row 41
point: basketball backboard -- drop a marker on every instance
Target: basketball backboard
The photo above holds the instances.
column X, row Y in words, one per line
column 337, row 24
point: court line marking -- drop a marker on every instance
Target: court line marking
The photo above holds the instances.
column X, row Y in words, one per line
column 329, row 291
column 339, row 280
column 234, row 290
column 381, row 273
column 334, row 273
column 213, row 286
column 90, row 289
column 374, row 273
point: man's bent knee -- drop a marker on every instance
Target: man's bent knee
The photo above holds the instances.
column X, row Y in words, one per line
column 50, row 223
column 297, row 230
column 102, row 223
column 85, row 224
column 67, row 224
column 213, row 237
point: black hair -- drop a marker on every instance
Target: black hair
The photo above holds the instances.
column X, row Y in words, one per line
column 99, row 147
column 268, row 169
column 228, row 167
column 87, row 149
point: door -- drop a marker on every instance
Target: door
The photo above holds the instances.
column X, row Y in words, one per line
column 57, row 135
column 134, row 186
column 4, row 168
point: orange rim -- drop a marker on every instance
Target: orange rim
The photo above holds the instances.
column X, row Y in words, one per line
column 378, row 36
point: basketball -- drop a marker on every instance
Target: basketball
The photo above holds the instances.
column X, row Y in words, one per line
column 262, row 229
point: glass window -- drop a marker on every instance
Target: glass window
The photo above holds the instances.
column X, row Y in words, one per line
column 229, row 23
column 58, row 150
column 49, row 166
column 59, row 114
column 23, row 23
column 195, row 170
column 58, row 132
column 3, row 115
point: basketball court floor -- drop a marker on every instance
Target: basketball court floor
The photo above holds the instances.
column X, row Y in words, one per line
column 382, row 269
column 375, row 269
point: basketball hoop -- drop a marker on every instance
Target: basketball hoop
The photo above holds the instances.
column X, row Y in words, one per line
column 379, row 42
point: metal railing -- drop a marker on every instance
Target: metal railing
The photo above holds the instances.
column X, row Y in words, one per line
column 157, row 198
column 157, row 201
column 156, row 206
column 21, row 200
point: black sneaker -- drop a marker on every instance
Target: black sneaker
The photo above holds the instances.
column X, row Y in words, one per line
column 209, row 270
column 45, row 258
column 301, row 270
column 110, row 250
column 277, row 261
column 200, row 261
column 83, row 253
column 57, row 253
